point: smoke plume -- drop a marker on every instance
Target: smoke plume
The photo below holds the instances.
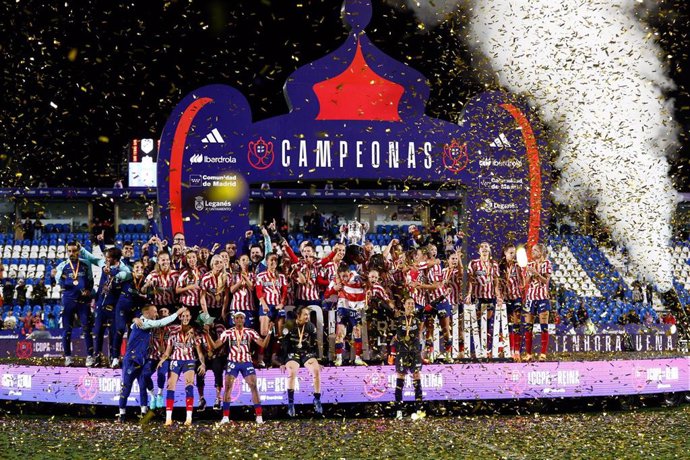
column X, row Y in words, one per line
column 595, row 71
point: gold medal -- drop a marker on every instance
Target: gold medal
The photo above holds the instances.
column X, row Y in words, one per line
column 75, row 273
column 301, row 335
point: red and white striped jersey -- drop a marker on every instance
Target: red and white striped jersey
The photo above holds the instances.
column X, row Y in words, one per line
column 310, row 290
column 243, row 298
column 238, row 343
column 514, row 282
column 163, row 285
column 435, row 275
column 352, row 295
column 537, row 290
column 272, row 288
column 454, row 286
column 183, row 345
column 483, row 276
column 214, row 287
column 419, row 295
column 188, row 278
column 330, row 271
column 396, row 273
column 377, row 292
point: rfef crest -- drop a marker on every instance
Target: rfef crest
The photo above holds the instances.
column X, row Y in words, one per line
column 455, row 156
column 25, row 349
column 260, row 154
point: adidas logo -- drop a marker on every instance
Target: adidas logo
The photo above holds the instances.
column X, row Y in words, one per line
column 198, row 158
column 213, row 137
column 500, row 142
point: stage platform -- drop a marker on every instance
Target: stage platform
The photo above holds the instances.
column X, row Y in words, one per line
column 372, row 384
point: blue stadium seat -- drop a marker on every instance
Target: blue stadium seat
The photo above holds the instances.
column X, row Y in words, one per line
column 37, row 310
column 49, row 228
column 26, row 310
column 139, row 228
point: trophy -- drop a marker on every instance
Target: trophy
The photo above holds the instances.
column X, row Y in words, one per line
column 353, row 234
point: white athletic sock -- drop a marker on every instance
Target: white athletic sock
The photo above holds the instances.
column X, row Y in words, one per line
column 144, row 409
column 123, row 411
column 168, row 415
column 189, row 415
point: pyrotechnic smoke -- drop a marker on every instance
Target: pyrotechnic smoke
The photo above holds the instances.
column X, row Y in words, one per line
column 595, row 71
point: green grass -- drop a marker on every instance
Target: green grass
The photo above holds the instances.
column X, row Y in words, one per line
column 644, row 434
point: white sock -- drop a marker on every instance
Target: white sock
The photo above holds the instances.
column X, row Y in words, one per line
column 123, row 411
column 225, row 419
column 168, row 415
column 189, row 415
column 160, row 392
column 144, row 409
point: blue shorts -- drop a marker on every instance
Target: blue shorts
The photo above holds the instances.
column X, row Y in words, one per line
column 273, row 313
column 535, row 307
column 513, row 306
column 442, row 310
column 181, row 366
column 349, row 317
column 234, row 369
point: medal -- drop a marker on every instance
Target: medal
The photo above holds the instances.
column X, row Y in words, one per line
column 75, row 272
column 301, row 335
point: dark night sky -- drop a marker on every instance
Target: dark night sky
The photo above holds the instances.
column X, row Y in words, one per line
column 115, row 70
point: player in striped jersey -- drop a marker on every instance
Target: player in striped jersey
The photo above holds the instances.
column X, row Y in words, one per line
column 538, row 275
column 351, row 301
column 443, row 309
column 242, row 289
column 136, row 364
column 484, row 286
column 239, row 339
column 189, row 284
column 306, row 272
column 452, row 279
column 162, row 282
column 512, row 284
column 215, row 290
column 271, row 290
column 380, row 308
column 183, row 347
column 421, row 286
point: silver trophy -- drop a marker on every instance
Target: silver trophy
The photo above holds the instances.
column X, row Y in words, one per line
column 354, row 232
